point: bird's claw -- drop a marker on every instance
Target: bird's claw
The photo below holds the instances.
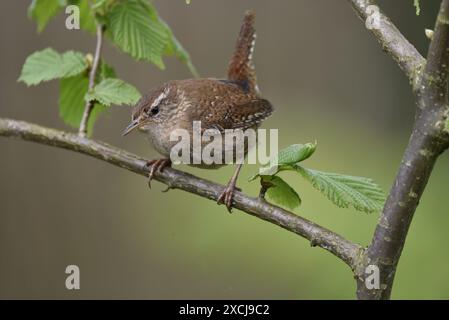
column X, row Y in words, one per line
column 156, row 165
column 227, row 195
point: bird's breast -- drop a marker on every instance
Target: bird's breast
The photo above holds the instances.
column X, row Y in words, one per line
column 158, row 138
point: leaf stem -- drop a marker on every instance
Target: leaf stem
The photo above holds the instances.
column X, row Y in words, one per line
column 92, row 75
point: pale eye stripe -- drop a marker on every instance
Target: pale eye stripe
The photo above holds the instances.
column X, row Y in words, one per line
column 162, row 96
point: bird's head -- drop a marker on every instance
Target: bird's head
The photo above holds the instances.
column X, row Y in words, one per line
column 155, row 108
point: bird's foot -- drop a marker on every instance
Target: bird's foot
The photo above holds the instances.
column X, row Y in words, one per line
column 227, row 195
column 156, row 165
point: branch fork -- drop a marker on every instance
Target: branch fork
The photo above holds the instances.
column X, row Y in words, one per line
column 428, row 140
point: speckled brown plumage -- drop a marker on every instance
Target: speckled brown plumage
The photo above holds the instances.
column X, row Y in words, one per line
column 216, row 103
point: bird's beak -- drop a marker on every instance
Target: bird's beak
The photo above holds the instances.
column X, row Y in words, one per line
column 130, row 127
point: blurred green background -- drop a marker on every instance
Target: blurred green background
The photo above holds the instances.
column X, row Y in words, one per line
column 329, row 81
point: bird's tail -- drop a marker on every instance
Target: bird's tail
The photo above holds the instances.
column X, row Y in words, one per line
column 241, row 67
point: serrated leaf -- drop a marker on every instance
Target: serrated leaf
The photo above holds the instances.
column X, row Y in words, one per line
column 72, row 103
column 114, row 91
column 175, row 48
column 136, row 30
column 42, row 11
column 41, row 66
column 281, row 193
column 48, row 64
column 344, row 191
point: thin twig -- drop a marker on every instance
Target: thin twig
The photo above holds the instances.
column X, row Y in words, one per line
column 92, row 75
column 390, row 38
column 317, row 235
column 428, row 140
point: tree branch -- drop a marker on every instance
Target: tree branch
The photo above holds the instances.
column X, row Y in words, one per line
column 391, row 39
column 435, row 75
column 428, row 140
column 92, row 75
column 317, row 235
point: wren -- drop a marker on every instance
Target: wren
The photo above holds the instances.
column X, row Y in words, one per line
column 232, row 103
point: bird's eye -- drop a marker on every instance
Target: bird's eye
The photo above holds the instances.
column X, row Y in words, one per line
column 154, row 110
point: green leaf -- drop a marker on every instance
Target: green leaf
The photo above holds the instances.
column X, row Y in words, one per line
column 295, row 153
column 175, row 48
column 87, row 18
column 72, row 63
column 48, row 64
column 41, row 66
column 344, row 191
column 280, row 192
column 114, row 91
column 43, row 10
column 101, row 4
column 71, row 99
column 91, row 11
column 136, row 30
column 287, row 157
column 72, row 103
column 105, row 71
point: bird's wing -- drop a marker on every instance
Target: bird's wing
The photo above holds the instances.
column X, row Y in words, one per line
column 241, row 67
column 238, row 115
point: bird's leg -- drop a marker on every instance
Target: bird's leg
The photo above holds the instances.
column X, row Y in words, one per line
column 228, row 192
column 156, row 165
